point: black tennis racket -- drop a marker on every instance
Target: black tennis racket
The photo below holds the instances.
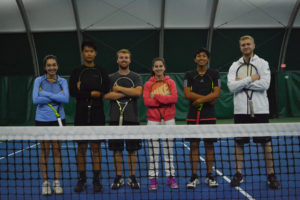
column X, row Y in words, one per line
column 202, row 85
column 56, row 88
column 90, row 79
column 123, row 102
column 243, row 71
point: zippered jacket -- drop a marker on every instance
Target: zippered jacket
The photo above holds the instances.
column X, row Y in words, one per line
column 259, row 87
column 44, row 93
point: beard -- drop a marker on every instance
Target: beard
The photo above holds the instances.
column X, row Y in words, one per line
column 124, row 66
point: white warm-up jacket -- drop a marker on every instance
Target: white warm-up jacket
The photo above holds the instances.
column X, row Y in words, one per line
column 260, row 87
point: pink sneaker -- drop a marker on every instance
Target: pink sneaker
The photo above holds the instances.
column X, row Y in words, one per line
column 153, row 184
column 172, row 183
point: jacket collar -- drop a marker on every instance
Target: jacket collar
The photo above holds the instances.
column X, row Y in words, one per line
column 45, row 77
column 253, row 59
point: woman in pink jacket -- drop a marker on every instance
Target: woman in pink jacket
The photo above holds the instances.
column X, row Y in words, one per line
column 154, row 102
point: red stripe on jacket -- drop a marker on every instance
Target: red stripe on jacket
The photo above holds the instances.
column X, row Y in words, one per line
column 195, row 120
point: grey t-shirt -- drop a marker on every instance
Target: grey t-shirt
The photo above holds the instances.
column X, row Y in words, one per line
column 131, row 111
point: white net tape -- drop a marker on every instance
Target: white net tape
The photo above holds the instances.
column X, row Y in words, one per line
column 147, row 132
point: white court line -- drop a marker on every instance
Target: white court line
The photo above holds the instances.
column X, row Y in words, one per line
column 247, row 195
column 29, row 147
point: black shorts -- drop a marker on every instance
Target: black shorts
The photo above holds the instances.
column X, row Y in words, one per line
column 118, row 145
column 90, row 141
column 52, row 123
column 204, row 139
column 247, row 119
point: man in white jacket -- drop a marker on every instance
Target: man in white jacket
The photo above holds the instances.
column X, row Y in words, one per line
column 259, row 84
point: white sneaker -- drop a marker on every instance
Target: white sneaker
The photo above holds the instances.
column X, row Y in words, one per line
column 211, row 182
column 57, row 189
column 46, row 189
column 192, row 183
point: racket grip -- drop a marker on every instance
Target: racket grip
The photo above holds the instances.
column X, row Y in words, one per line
column 250, row 102
column 59, row 122
column 121, row 120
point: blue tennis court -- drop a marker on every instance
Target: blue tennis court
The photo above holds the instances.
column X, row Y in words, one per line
column 21, row 178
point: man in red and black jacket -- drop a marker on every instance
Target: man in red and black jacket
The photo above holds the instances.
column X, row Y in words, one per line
column 88, row 84
column 202, row 87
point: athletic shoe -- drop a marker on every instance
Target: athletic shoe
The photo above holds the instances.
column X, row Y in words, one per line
column 97, row 186
column 237, row 180
column 46, row 189
column 193, row 182
column 132, row 182
column 153, row 184
column 210, row 181
column 57, row 189
column 172, row 182
column 272, row 182
column 118, row 182
column 81, row 185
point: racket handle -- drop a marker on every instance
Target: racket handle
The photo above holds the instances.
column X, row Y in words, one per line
column 59, row 122
column 121, row 120
column 250, row 102
column 89, row 113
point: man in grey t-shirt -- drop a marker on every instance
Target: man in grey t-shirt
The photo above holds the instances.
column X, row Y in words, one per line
column 131, row 110
column 130, row 117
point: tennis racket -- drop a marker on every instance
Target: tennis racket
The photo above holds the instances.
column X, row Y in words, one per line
column 163, row 88
column 245, row 70
column 90, row 79
column 45, row 86
column 202, row 85
column 123, row 102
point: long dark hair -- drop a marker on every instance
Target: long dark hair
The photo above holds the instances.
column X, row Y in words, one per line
column 47, row 57
column 153, row 61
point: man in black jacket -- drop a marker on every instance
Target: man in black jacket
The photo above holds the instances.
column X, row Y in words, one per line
column 88, row 84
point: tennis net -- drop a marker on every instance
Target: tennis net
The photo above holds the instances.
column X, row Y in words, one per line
column 21, row 176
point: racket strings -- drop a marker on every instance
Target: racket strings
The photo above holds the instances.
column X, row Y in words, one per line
column 123, row 102
column 90, row 79
column 246, row 70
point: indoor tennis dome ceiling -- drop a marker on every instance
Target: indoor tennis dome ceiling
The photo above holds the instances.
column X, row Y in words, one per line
column 174, row 29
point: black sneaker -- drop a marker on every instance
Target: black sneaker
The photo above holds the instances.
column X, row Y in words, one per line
column 237, row 180
column 118, row 182
column 272, row 182
column 81, row 185
column 97, row 186
column 133, row 183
